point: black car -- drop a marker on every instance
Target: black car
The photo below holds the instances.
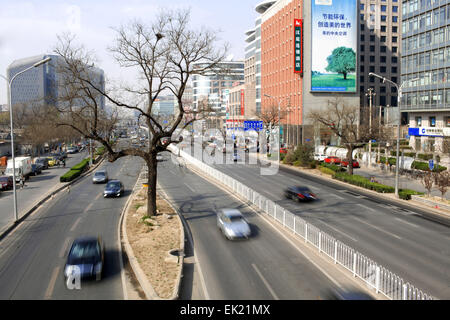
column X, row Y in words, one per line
column 36, row 169
column 300, row 194
column 114, row 188
column 86, row 256
column 43, row 162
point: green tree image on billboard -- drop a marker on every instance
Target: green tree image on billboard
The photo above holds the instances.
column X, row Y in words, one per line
column 334, row 41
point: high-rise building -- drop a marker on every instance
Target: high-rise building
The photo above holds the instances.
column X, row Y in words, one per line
column 298, row 39
column 42, row 84
column 426, row 73
column 211, row 88
column 379, row 50
column 165, row 106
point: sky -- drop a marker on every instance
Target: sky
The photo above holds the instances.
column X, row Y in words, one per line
column 29, row 28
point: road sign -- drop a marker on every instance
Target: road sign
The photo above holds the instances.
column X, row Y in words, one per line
column 431, row 164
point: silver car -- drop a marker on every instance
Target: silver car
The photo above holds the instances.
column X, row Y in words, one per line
column 100, row 176
column 233, row 224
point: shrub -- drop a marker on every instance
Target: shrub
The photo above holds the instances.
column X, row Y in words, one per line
column 70, row 175
column 425, row 157
column 313, row 164
column 82, row 165
column 297, row 163
column 282, row 156
column 289, row 158
column 333, row 167
column 304, row 154
column 406, row 194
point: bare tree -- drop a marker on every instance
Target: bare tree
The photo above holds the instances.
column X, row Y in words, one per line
column 428, row 181
column 443, row 182
column 166, row 54
column 343, row 120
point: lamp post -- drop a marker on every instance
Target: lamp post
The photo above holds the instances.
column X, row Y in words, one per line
column 370, row 94
column 399, row 100
column 37, row 64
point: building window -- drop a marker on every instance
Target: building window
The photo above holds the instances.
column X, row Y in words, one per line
column 372, row 58
column 394, row 59
column 383, row 28
column 383, row 89
column 361, row 79
column 372, row 69
column 383, row 18
column 383, row 59
column 432, row 122
column 394, row 8
column 362, row 37
column 372, row 38
column 394, row 39
column 394, row 79
column 383, row 48
column 419, row 121
column 383, row 8
column 362, row 27
column 361, row 6
column 372, row 8
column 394, row 49
column 394, row 19
column 382, row 69
column 362, row 59
column 372, row 48
column 447, row 122
column 362, row 69
column 394, row 29
column 362, row 16
column 361, row 48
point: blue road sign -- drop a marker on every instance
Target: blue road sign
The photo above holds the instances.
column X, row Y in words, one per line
column 431, row 164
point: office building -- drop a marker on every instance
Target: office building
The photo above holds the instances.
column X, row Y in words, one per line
column 426, row 74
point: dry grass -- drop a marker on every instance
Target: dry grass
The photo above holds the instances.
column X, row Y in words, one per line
column 151, row 240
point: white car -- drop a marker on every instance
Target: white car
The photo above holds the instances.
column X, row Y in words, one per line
column 320, row 157
column 232, row 224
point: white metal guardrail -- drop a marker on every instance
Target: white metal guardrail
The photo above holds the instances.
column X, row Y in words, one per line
column 376, row 276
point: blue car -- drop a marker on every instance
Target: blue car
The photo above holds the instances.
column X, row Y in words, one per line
column 114, row 188
column 86, row 257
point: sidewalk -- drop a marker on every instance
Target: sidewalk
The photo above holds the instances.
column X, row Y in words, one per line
column 388, row 178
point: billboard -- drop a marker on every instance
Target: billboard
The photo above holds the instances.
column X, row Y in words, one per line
column 298, row 43
column 334, row 45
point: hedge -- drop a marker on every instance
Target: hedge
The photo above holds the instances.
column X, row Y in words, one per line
column 326, row 170
column 424, row 166
column 406, row 194
column 75, row 171
column 363, row 182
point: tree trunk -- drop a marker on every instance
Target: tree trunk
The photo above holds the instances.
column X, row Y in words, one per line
column 152, row 165
column 350, row 159
column 345, row 75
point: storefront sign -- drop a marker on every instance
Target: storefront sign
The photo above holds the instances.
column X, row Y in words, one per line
column 298, row 49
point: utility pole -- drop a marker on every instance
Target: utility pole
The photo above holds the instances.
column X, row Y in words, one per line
column 370, row 93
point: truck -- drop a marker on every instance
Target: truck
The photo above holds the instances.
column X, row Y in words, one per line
column 23, row 167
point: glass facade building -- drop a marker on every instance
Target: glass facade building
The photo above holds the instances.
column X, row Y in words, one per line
column 426, row 73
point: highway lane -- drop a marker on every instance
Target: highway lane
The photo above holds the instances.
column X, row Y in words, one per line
column 264, row 267
column 32, row 257
column 401, row 240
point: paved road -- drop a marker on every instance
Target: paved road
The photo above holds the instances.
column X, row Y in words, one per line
column 264, row 267
column 32, row 257
column 35, row 188
column 409, row 245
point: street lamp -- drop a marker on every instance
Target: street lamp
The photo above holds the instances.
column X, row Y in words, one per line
column 37, row 64
column 399, row 99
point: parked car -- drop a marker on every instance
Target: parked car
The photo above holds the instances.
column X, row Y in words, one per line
column 101, row 176
column 52, row 161
column 86, row 255
column 72, row 150
column 333, row 160
column 320, row 157
column 6, row 182
column 114, row 188
column 233, row 224
column 345, row 163
column 43, row 162
column 36, row 169
column 300, row 193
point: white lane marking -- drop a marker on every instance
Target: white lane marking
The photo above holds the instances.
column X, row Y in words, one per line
column 265, row 282
column 331, row 227
column 75, row 224
column 190, row 188
column 336, row 196
column 64, row 248
column 51, row 285
column 88, row 207
column 97, row 197
column 366, row 207
column 379, row 229
column 409, row 223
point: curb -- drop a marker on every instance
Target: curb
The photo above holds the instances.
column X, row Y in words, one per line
column 176, row 291
column 150, row 293
column 9, row 228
